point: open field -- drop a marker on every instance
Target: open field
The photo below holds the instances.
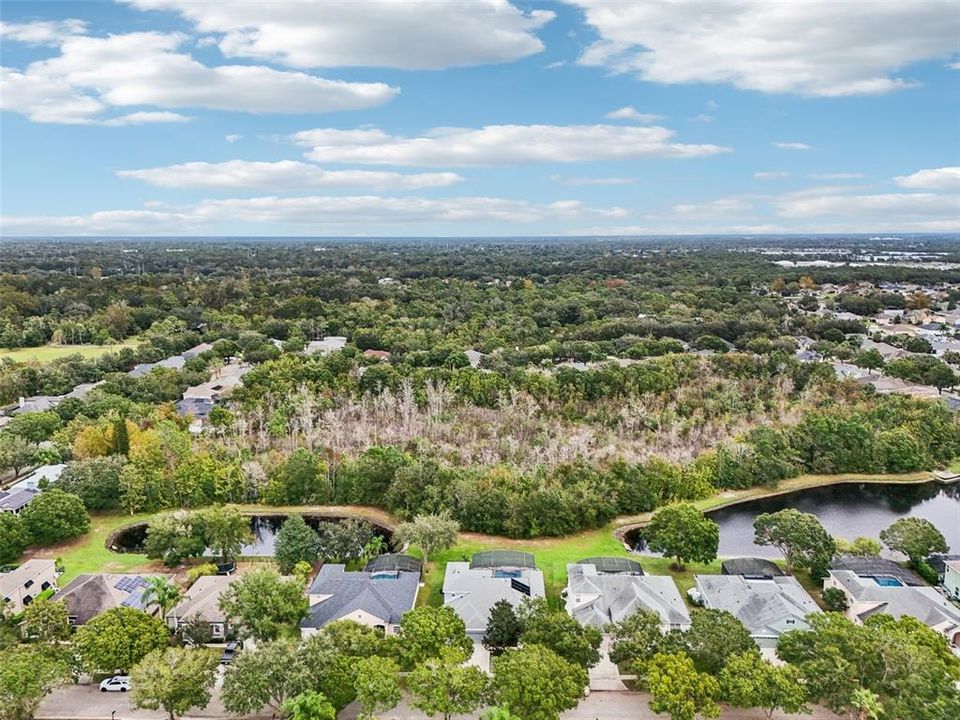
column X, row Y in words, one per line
column 46, row 353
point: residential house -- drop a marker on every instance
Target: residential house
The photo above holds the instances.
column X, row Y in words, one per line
column 202, row 601
column 868, row 595
column 951, row 578
column 36, row 403
column 474, row 357
column 600, row 593
column 41, row 478
column 329, row 344
column 472, row 588
column 87, row 596
column 768, row 607
column 20, row 586
column 376, row 354
column 376, row 599
column 14, row 501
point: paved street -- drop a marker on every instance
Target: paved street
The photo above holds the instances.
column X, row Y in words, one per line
column 85, row 702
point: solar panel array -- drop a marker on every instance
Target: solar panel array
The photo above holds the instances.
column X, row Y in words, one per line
column 134, row 585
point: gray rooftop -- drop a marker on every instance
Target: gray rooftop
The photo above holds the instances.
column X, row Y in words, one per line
column 16, row 500
column 472, row 592
column 925, row 604
column 598, row 599
column 765, row 607
column 382, row 595
column 89, row 595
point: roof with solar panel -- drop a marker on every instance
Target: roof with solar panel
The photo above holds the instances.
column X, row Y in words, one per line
column 87, row 596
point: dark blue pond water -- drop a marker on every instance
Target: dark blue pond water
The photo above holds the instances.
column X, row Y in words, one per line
column 846, row 511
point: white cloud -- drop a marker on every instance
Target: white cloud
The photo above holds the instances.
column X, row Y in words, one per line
column 771, row 175
column 232, row 138
column 282, row 175
column 888, row 206
column 792, row 146
column 585, row 181
column 94, row 74
column 721, row 206
column 631, row 113
column 705, row 118
column 498, row 145
column 312, row 214
column 835, row 176
column 143, row 117
column 955, row 66
column 42, row 32
column 815, row 48
column 945, row 178
column 426, row 35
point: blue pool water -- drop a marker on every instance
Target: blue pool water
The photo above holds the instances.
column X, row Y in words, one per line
column 887, row 581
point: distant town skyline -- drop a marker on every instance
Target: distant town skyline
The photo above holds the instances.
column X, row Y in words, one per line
column 584, row 117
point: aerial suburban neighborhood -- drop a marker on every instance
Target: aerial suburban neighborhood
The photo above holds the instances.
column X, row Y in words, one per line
column 479, row 360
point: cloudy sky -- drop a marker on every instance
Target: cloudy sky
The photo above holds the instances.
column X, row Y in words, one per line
column 409, row 117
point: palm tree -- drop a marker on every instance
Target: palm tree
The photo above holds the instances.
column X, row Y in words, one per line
column 161, row 592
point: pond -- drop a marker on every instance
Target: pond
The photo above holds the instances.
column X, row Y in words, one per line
column 846, row 511
column 263, row 527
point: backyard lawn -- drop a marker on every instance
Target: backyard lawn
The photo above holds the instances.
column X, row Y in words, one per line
column 89, row 553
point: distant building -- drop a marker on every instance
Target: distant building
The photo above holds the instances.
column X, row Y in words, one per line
column 14, row 501
column 767, row 607
column 42, row 477
column 377, row 354
column 20, row 586
column 37, row 403
column 86, row 596
column 376, row 599
column 599, row 598
column 472, row 588
column 329, row 344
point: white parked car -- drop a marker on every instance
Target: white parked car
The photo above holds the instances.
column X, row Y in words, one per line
column 118, row 683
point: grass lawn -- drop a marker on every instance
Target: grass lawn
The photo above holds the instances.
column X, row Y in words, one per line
column 46, row 353
column 89, row 553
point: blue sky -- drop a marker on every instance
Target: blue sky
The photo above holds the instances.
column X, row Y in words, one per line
column 179, row 117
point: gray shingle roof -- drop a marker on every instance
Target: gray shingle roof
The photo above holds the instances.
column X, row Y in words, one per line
column 387, row 598
column 472, row 592
column 925, row 604
column 599, row 599
column 761, row 605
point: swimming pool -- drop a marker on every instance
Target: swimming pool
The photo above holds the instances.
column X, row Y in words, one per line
column 887, row 581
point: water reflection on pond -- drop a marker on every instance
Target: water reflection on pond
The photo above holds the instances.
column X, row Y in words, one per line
column 846, row 511
column 263, row 527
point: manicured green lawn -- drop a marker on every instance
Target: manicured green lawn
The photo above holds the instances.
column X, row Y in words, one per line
column 46, row 353
column 89, row 553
